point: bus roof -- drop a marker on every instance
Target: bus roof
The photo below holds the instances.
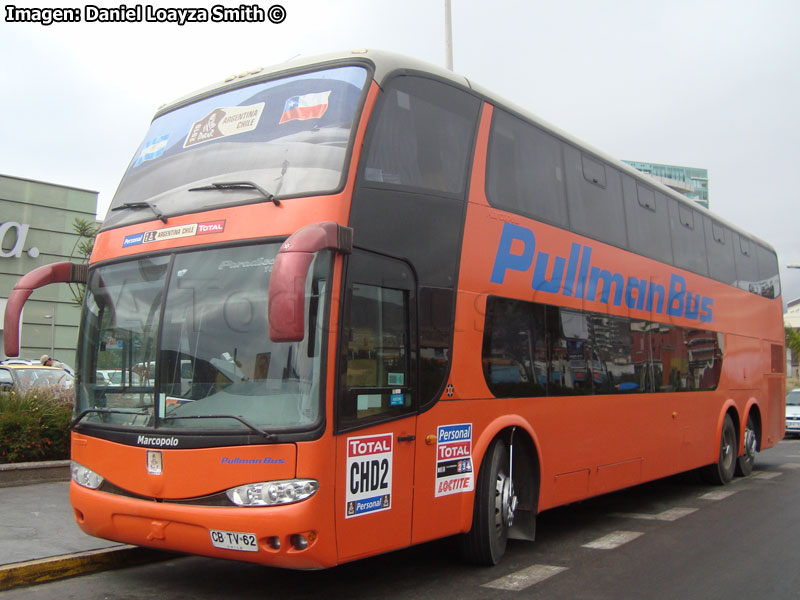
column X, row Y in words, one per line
column 388, row 64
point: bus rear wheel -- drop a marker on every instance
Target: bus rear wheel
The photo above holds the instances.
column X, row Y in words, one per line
column 721, row 472
column 744, row 464
column 493, row 514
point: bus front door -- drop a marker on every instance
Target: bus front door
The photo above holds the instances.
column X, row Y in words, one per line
column 376, row 407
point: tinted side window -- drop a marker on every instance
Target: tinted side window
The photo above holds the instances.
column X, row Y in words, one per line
column 532, row 349
column 423, row 136
column 688, row 238
column 594, row 197
column 647, row 218
column 719, row 243
column 746, row 264
column 769, row 280
column 514, row 348
column 524, row 170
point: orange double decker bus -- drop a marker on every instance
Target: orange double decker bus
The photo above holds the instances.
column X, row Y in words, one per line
column 359, row 303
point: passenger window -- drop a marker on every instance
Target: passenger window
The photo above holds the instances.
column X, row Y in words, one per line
column 524, row 170
column 423, row 137
column 746, row 266
column 719, row 243
column 594, row 197
column 378, row 375
column 574, row 355
column 769, row 282
column 647, row 221
column 688, row 238
column 514, row 348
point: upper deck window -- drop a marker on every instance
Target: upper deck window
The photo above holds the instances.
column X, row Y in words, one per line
column 290, row 136
column 423, row 136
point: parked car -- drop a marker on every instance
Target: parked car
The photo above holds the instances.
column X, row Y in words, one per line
column 793, row 412
column 21, row 376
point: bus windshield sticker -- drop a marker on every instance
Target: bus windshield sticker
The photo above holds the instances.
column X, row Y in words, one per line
column 224, row 122
column 453, row 459
column 307, row 106
column 171, row 233
column 369, row 474
column 152, row 149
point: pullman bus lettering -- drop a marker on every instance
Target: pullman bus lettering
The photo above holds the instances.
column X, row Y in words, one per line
column 575, row 276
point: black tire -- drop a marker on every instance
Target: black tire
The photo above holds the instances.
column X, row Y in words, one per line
column 721, row 472
column 493, row 513
column 744, row 464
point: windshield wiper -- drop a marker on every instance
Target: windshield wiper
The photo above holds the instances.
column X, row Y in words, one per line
column 265, row 434
column 142, row 204
column 107, row 411
column 238, row 185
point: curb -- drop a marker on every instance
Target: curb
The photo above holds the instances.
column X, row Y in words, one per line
column 81, row 563
column 15, row 474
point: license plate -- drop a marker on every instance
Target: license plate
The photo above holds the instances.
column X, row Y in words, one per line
column 234, row 540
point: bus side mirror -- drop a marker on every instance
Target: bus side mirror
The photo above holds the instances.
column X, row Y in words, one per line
column 61, row 272
column 287, row 285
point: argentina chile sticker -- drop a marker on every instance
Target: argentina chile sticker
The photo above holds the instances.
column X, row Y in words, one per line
column 453, row 459
column 369, row 474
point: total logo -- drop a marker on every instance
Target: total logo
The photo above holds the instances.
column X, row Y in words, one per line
column 20, row 234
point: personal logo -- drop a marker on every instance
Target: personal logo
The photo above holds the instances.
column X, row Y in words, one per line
column 155, row 462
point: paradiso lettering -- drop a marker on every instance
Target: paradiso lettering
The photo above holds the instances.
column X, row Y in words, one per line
column 369, row 474
column 575, row 276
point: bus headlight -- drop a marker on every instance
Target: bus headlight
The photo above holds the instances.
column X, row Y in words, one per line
column 85, row 477
column 272, row 493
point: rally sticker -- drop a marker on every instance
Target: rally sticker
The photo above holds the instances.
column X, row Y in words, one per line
column 171, row 233
column 453, row 459
column 224, row 122
column 369, row 474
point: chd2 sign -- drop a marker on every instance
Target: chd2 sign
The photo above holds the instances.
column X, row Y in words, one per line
column 20, row 234
column 369, row 474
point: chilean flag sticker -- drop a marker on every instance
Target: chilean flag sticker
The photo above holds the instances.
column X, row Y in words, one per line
column 307, row 106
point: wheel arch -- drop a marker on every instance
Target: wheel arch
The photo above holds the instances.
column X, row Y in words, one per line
column 527, row 468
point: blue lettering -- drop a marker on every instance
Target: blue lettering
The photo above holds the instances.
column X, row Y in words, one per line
column 586, row 258
column 675, row 302
column 705, row 310
column 505, row 260
column 655, row 288
column 539, row 282
column 516, row 251
column 608, row 278
column 574, row 253
column 640, row 287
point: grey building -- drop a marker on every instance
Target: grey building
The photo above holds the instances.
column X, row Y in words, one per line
column 37, row 228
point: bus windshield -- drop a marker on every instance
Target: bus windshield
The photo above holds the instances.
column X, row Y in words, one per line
column 289, row 136
column 186, row 339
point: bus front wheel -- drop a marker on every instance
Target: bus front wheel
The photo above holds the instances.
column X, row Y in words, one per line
column 721, row 472
column 493, row 513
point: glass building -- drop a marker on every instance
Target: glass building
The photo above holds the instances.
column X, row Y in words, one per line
column 689, row 181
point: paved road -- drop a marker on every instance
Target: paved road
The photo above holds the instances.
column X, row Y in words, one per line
column 675, row 538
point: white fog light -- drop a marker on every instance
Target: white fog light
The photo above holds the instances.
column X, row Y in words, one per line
column 85, row 477
column 271, row 493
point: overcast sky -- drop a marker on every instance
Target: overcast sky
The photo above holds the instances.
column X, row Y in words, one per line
column 709, row 84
